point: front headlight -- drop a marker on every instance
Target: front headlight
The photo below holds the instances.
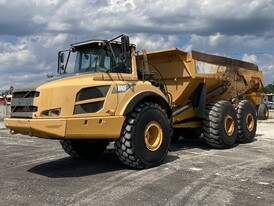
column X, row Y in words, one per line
column 51, row 112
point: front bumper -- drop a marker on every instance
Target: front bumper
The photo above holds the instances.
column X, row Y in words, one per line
column 68, row 128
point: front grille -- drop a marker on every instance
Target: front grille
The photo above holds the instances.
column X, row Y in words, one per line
column 88, row 107
column 92, row 93
column 24, row 109
column 22, row 104
column 31, row 94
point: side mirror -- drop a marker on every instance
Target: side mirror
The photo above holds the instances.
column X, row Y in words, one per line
column 125, row 48
column 61, row 59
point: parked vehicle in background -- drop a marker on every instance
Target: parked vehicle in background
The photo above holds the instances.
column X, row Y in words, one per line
column 6, row 99
column 269, row 100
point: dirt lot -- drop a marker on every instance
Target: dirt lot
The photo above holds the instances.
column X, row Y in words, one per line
column 37, row 172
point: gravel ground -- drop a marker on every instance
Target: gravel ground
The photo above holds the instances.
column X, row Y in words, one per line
column 36, row 171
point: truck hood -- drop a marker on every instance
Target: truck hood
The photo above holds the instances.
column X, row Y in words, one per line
column 33, row 86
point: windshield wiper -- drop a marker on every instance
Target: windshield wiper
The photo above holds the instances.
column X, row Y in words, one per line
column 112, row 54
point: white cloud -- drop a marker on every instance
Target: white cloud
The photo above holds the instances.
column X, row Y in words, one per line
column 37, row 29
column 55, row 41
column 227, row 43
column 38, row 19
column 15, row 55
column 266, row 63
column 250, row 58
column 120, row 6
column 154, row 42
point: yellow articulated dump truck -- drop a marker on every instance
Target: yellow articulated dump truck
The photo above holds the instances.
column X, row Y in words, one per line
column 106, row 91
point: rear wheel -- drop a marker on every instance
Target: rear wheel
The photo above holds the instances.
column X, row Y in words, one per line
column 145, row 137
column 220, row 125
column 84, row 148
column 247, row 122
column 263, row 112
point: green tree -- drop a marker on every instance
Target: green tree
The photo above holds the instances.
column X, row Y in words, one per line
column 11, row 89
column 8, row 91
column 269, row 88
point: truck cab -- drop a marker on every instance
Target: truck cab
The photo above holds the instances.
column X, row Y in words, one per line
column 93, row 79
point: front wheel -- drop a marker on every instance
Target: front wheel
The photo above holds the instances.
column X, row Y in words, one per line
column 145, row 137
column 78, row 148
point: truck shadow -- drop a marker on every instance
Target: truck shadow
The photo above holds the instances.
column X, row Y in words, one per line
column 200, row 143
column 183, row 144
column 109, row 162
column 70, row 167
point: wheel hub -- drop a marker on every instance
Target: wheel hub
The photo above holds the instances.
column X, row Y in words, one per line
column 229, row 125
column 153, row 136
column 250, row 122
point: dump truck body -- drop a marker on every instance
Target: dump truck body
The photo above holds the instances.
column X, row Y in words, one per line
column 136, row 99
column 182, row 74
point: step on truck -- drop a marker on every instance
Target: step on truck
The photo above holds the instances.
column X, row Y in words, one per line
column 107, row 91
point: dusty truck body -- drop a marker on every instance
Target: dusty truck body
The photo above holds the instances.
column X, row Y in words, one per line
column 139, row 100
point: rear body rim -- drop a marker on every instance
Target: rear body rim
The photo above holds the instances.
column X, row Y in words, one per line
column 250, row 122
column 153, row 136
column 266, row 112
column 229, row 125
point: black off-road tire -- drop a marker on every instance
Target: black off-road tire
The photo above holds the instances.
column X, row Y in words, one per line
column 147, row 120
column 220, row 126
column 247, row 122
column 84, row 148
column 263, row 112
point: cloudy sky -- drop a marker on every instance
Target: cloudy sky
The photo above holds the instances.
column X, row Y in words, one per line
column 33, row 31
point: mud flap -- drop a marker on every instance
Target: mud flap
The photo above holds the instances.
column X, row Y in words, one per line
column 198, row 100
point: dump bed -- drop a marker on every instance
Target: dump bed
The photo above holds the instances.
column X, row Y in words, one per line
column 182, row 73
column 239, row 77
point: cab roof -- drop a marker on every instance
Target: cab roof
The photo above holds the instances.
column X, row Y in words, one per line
column 88, row 42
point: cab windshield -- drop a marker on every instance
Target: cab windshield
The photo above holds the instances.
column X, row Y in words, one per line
column 99, row 59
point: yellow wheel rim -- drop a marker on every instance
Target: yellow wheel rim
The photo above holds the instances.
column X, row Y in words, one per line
column 250, row 122
column 153, row 136
column 229, row 125
column 266, row 112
